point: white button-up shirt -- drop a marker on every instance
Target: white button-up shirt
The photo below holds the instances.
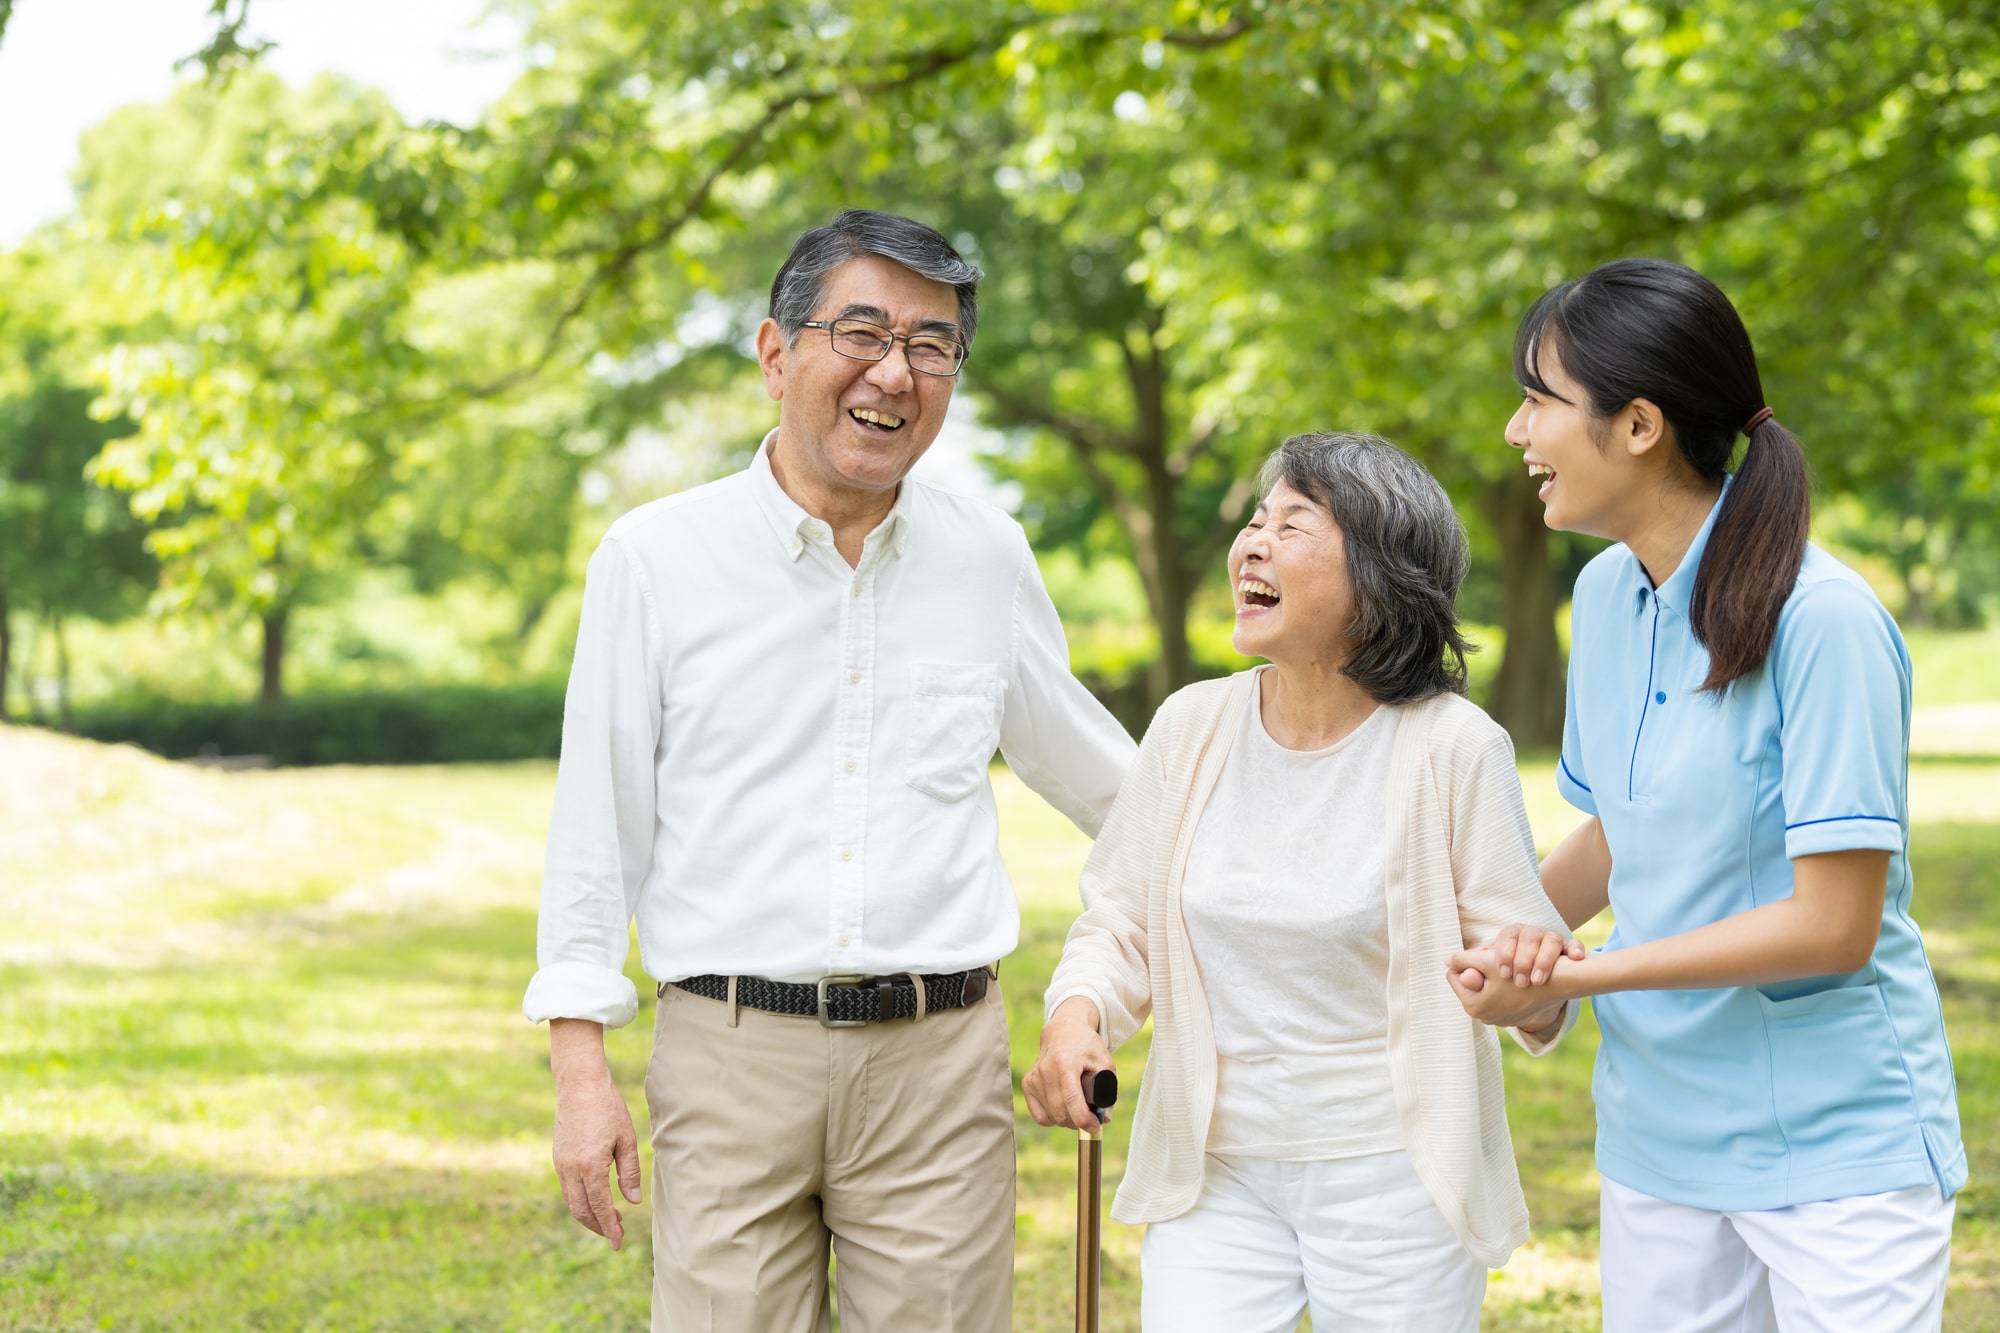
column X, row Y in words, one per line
column 778, row 764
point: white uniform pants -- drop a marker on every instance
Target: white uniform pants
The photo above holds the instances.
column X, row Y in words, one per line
column 1358, row 1240
column 1872, row 1263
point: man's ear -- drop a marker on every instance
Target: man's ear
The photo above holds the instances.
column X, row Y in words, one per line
column 1642, row 427
column 771, row 352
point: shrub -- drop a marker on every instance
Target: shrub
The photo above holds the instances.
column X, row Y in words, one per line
column 436, row 725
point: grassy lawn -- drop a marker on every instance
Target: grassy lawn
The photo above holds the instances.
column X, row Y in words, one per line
column 261, row 1064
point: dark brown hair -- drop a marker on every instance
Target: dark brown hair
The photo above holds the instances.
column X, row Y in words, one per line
column 1648, row 328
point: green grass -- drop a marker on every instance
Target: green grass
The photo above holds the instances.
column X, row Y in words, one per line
column 262, row 1068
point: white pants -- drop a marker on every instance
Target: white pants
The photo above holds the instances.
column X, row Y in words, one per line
column 1358, row 1239
column 1872, row 1263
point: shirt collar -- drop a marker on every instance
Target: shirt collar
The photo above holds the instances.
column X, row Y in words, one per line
column 796, row 529
column 1677, row 593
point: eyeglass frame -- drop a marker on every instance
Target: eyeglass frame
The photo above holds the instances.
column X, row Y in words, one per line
column 887, row 347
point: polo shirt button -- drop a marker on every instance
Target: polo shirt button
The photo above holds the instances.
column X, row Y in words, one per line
column 1660, row 698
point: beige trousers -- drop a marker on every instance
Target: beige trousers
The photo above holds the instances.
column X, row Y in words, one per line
column 775, row 1137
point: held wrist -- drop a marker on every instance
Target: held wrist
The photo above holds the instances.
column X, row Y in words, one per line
column 1543, row 1023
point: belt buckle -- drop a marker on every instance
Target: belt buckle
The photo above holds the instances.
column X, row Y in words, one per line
column 826, row 1020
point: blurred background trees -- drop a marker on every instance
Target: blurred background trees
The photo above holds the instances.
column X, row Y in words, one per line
column 324, row 347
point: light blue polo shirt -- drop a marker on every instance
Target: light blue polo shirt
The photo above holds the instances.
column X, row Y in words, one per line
column 1754, row 1097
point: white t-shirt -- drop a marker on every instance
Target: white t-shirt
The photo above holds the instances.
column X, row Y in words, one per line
column 1289, row 927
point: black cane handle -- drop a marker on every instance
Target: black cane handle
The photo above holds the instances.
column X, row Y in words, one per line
column 1100, row 1093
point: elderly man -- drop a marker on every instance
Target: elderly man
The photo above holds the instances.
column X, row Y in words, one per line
column 788, row 686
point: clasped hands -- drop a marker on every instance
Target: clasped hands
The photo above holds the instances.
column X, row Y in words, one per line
column 1517, row 981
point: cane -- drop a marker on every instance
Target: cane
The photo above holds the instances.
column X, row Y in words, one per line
column 1100, row 1091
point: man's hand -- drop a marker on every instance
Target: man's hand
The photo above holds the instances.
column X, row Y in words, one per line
column 593, row 1129
column 1071, row 1047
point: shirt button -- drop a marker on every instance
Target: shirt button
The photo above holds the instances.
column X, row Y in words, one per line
column 842, row 941
column 1660, row 698
column 857, row 587
column 846, row 855
column 854, row 678
column 849, row 765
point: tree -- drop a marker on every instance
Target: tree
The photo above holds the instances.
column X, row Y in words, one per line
column 67, row 547
column 281, row 393
column 1208, row 226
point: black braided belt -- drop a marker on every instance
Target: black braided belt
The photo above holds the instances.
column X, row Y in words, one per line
column 847, row 1002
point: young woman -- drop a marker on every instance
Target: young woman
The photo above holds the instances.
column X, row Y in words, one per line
column 1777, row 1120
column 1294, row 854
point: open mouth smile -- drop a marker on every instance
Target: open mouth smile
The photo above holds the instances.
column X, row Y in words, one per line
column 1257, row 595
column 869, row 419
column 1546, row 475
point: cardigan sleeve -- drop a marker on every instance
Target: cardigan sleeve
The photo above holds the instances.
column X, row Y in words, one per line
column 1106, row 957
column 1493, row 862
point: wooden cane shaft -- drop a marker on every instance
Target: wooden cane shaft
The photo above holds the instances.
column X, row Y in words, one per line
column 1089, row 1191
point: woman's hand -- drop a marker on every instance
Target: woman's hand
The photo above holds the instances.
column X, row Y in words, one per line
column 1526, row 955
column 1475, row 978
column 1071, row 1048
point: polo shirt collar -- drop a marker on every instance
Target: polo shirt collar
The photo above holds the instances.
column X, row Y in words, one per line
column 795, row 529
column 1677, row 593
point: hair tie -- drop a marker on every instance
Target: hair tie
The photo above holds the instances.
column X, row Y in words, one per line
column 1764, row 414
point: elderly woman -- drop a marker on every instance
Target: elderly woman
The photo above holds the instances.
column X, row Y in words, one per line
column 1295, row 854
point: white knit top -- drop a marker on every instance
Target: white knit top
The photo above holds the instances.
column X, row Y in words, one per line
column 1289, row 929
column 1459, row 863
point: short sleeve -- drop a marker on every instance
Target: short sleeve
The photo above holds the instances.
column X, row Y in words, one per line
column 1570, row 778
column 1843, row 680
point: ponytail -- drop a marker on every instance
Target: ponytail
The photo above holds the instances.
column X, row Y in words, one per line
column 1753, row 556
column 1648, row 328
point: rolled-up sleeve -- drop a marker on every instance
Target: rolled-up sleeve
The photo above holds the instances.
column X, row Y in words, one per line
column 1054, row 733
column 1843, row 681
column 601, row 832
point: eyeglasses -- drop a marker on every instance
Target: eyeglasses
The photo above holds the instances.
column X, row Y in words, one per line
column 859, row 340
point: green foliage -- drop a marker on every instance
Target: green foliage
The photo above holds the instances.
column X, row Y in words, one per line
column 435, row 725
column 68, row 548
column 346, row 340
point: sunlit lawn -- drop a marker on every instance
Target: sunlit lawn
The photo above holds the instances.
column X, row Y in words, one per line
column 261, row 1065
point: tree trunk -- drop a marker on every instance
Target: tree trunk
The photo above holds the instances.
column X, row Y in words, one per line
column 273, row 692
column 1528, row 696
column 65, row 715
column 6, row 650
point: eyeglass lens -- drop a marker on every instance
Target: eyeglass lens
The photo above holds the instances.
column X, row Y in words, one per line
column 871, row 342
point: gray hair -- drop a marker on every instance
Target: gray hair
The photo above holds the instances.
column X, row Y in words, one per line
column 801, row 283
column 1407, row 554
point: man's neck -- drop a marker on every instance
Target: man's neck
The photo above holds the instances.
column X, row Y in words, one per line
column 850, row 512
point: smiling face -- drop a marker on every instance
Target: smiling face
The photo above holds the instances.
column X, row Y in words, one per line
column 1294, row 601
column 851, row 430
column 1595, row 474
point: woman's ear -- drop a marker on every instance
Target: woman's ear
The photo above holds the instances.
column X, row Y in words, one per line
column 1642, row 427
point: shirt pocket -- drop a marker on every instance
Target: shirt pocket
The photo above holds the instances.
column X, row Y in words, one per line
column 954, row 727
column 1837, row 1074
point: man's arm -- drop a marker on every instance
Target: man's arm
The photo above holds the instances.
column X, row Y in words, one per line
column 594, row 1133
column 600, row 851
column 1056, row 736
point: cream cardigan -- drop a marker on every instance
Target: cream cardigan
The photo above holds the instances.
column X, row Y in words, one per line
column 1459, row 863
